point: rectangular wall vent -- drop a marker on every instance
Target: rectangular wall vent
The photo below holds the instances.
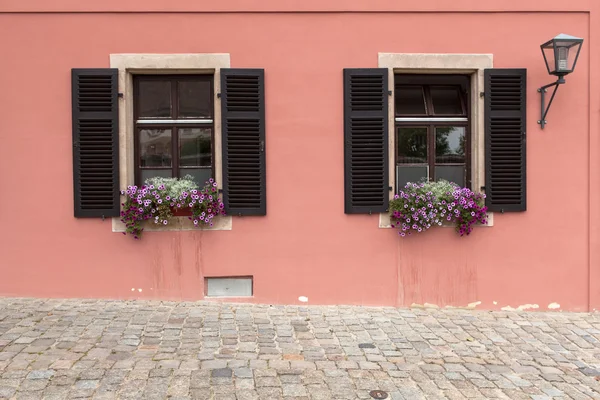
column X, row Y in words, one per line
column 228, row 287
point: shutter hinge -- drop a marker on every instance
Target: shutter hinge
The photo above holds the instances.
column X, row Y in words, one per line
column 481, row 94
column 262, row 145
column 218, row 95
column 121, row 95
column 75, row 144
column 482, row 188
column 102, row 217
column 390, row 188
column 389, row 92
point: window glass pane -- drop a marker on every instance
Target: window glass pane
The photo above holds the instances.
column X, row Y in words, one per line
column 450, row 145
column 410, row 173
column 195, row 99
column 411, row 145
column 154, row 99
column 200, row 175
column 446, row 101
column 195, row 147
column 452, row 173
column 151, row 173
column 155, row 147
column 410, row 100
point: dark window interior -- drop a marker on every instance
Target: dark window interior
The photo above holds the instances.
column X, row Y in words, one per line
column 432, row 129
column 174, row 127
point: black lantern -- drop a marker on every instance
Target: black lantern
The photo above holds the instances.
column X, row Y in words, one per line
column 560, row 55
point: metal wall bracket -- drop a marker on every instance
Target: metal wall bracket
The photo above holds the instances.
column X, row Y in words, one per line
column 543, row 91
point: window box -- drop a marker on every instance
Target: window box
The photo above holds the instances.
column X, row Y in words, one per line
column 181, row 212
column 163, row 198
column 421, row 206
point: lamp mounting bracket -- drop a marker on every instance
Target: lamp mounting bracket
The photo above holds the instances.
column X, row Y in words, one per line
column 543, row 91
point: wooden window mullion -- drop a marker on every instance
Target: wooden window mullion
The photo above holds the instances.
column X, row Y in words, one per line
column 431, row 151
column 174, row 130
column 428, row 101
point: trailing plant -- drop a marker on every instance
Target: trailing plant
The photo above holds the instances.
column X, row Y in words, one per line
column 419, row 206
column 159, row 196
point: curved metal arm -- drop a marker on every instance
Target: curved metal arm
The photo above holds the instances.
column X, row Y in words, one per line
column 543, row 91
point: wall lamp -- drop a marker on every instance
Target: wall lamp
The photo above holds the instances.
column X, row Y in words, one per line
column 560, row 55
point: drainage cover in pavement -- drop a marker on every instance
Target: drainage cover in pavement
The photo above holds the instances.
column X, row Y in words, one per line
column 367, row 346
column 378, row 394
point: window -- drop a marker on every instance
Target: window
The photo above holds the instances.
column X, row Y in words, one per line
column 432, row 134
column 174, row 129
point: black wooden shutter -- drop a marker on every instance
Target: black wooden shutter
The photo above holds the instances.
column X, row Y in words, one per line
column 95, row 142
column 366, row 174
column 243, row 134
column 505, row 129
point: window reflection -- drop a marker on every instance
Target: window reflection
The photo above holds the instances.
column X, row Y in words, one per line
column 155, row 147
column 412, row 145
column 450, row 145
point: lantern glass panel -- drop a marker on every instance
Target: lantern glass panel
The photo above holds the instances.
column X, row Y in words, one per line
column 548, row 50
column 566, row 53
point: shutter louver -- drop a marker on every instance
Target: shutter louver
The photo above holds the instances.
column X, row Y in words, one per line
column 95, row 142
column 366, row 173
column 505, row 130
column 243, row 134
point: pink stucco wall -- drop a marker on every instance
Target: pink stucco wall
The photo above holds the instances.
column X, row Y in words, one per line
column 306, row 245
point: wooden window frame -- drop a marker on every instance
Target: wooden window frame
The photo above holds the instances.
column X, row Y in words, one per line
column 462, row 82
column 170, row 123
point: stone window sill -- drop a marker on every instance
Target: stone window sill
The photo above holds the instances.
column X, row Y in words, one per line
column 385, row 223
column 223, row 223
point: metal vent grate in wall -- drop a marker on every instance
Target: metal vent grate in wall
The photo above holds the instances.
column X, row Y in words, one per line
column 229, row 287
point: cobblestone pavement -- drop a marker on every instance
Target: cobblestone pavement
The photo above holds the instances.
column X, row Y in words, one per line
column 57, row 349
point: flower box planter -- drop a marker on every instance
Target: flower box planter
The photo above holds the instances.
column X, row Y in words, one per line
column 420, row 206
column 158, row 199
column 181, row 212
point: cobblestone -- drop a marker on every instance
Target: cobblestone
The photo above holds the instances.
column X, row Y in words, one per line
column 62, row 349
